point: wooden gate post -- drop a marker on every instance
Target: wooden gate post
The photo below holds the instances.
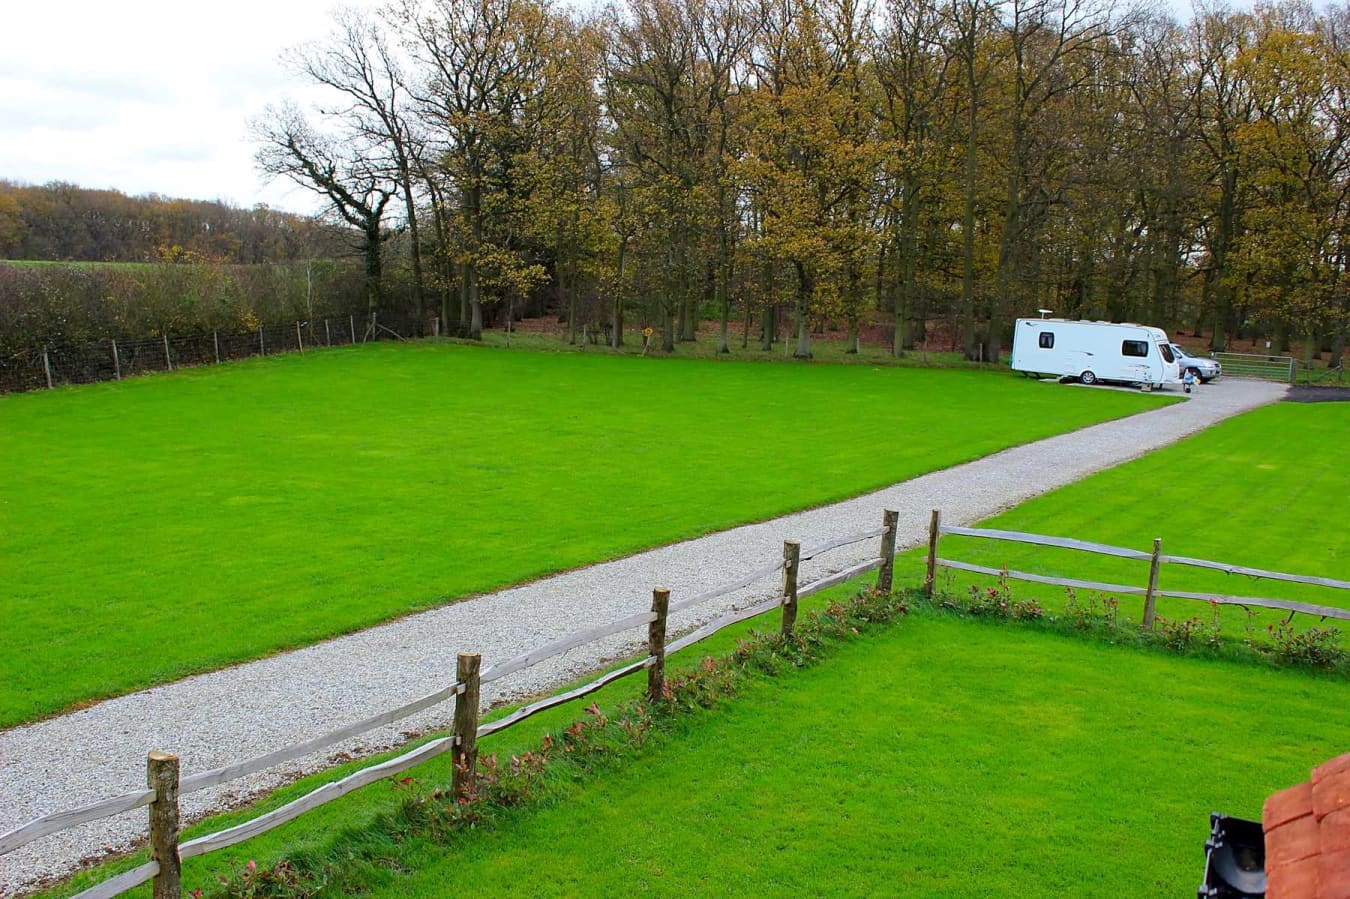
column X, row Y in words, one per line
column 161, row 774
column 466, row 725
column 656, row 645
column 792, row 560
column 934, row 531
column 891, row 520
column 1149, row 598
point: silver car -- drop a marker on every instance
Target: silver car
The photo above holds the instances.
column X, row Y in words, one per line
column 1206, row 370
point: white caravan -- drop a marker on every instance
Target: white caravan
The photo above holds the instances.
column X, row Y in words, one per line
column 1094, row 351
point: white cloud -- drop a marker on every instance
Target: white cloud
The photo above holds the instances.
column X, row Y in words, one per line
column 150, row 96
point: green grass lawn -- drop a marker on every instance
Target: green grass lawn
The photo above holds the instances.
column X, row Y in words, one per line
column 938, row 758
column 1263, row 490
column 160, row 526
column 932, row 757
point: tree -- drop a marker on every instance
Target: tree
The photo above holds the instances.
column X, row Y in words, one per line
column 339, row 170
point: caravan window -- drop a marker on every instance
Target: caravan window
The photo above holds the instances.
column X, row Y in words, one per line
column 1137, row 348
column 1166, row 352
column 1047, row 340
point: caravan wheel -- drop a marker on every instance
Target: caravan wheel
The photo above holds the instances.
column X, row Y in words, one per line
column 1088, row 377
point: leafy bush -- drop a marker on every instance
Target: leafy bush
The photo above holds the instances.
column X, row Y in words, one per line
column 1319, row 647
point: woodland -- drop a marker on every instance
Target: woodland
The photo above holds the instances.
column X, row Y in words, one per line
column 968, row 161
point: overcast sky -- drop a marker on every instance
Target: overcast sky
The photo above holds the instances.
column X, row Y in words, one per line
column 149, row 96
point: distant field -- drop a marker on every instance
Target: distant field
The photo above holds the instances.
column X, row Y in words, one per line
column 160, row 526
column 1263, row 490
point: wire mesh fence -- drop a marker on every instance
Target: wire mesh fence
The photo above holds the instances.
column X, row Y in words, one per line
column 57, row 364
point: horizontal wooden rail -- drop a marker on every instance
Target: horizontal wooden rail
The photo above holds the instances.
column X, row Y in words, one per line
column 1042, row 540
column 58, row 821
column 127, row 880
column 218, row 776
column 1042, row 579
column 814, row 551
column 535, row 708
column 312, row 800
column 718, row 624
column 723, row 590
column 562, row 645
column 1258, row 572
column 839, row 577
column 1287, row 605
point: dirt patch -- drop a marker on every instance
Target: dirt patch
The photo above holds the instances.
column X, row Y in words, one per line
column 1318, row 395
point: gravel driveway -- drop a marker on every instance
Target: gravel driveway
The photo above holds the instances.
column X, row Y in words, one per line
column 241, row 712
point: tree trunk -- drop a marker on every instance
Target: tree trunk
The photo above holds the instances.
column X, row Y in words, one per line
column 374, row 266
column 804, row 291
column 616, row 338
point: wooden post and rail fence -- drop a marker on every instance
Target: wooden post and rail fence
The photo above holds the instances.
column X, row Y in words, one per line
column 1150, row 591
column 164, row 785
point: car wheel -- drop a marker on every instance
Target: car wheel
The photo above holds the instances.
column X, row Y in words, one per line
column 1088, row 377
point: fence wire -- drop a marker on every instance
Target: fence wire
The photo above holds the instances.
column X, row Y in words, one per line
column 89, row 362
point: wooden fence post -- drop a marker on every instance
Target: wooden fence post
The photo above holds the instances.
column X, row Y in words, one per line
column 162, row 777
column 215, row 341
column 934, row 531
column 792, row 560
column 47, row 366
column 327, row 333
column 351, row 320
column 262, row 347
column 168, row 360
column 466, row 725
column 117, row 363
column 656, row 645
column 1149, row 598
column 299, row 341
column 891, row 520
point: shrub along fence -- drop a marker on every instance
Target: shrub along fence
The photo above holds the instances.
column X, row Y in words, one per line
column 1149, row 591
column 164, row 783
column 88, row 362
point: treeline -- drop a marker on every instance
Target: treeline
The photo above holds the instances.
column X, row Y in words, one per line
column 59, row 221
column 971, row 160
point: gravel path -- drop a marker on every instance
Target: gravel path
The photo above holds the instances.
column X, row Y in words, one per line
column 241, row 712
